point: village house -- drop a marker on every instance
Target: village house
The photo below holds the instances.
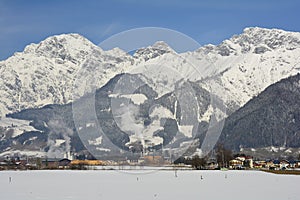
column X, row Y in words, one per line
column 212, row 164
column 64, row 163
column 292, row 164
column 236, row 164
column 258, row 164
column 297, row 164
column 270, row 164
column 248, row 163
column 241, row 162
column 3, row 165
column 284, row 164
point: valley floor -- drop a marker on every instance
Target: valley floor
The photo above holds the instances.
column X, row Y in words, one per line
column 147, row 184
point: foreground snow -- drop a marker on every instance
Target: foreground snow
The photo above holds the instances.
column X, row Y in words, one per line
column 115, row 185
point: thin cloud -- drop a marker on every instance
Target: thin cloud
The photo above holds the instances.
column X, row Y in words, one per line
column 110, row 29
column 99, row 31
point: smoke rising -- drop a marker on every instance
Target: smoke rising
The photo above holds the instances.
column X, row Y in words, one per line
column 59, row 131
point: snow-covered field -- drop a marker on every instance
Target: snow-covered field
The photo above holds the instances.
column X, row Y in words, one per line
column 143, row 185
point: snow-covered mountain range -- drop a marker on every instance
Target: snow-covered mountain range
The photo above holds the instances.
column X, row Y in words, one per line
column 244, row 65
column 235, row 70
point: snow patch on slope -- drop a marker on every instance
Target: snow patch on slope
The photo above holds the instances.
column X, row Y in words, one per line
column 18, row 126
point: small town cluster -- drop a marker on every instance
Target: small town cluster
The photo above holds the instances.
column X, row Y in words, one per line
column 244, row 162
column 238, row 162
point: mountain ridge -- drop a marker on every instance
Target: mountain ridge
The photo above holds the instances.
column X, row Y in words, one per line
column 67, row 53
column 235, row 71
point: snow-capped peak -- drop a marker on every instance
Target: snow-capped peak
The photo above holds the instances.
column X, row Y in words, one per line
column 70, row 47
column 260, row 40
column 255, row 40
column 44, row 73
column 157, row 49
column 162, row 46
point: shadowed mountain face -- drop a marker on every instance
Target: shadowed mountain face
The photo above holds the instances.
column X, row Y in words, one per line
column 158, row 119
column 270, row 119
